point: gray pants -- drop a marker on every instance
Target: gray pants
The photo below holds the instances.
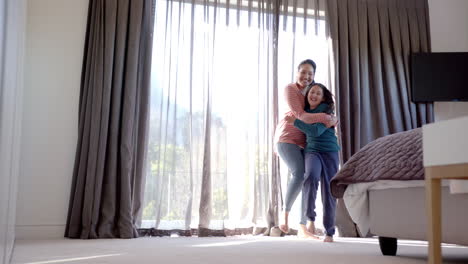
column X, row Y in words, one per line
column 293, row 156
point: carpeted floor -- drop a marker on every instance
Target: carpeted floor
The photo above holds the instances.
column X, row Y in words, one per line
column 239, row 249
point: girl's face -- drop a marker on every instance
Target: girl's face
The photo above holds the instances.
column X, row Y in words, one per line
column 315, row 96
column 305, row 75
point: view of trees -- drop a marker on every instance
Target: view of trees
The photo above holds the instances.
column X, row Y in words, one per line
column 175, row 165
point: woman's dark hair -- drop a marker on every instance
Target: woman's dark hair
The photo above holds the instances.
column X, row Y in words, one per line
column 327, row 98
column 308, row 61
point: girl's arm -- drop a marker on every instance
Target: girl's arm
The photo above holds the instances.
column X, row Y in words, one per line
column 314, row 129
column 295, row 103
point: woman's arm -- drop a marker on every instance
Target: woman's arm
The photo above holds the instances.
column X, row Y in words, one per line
column 295, row 104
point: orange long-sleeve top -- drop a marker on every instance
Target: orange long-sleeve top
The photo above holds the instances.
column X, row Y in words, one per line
column 286, row 132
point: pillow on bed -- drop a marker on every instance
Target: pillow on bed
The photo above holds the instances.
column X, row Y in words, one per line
column 393, row 157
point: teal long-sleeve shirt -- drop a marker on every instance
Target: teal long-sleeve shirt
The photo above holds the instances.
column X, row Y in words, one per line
column 319, row 137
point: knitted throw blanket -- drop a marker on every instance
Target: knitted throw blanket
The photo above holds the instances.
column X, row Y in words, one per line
column 393, row 157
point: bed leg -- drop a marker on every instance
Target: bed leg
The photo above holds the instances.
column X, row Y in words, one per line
column 388, row 246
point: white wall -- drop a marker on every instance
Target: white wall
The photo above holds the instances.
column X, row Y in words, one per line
column 449, row 32
column 54, row 51
column 12, row 31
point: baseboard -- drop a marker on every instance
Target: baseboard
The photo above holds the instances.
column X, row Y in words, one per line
column 39, row 231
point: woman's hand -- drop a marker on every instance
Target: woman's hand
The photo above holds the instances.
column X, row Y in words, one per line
column 333, row 121
column 290, row 119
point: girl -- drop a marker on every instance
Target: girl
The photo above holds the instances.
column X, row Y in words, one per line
column 291, row 141
column 321, row 158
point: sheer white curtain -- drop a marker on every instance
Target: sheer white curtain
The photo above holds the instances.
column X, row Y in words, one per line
column 216, row 70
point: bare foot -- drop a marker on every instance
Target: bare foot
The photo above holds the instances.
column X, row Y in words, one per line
column 304, row 233
column 284, row 228
column 311, row 227
column 328, row 239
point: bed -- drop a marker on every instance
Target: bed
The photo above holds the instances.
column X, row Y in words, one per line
column 382, row 186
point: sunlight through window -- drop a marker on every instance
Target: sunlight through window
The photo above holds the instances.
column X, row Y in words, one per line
column 212, row 63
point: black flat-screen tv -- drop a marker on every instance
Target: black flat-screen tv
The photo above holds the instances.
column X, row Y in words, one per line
column 439, row 76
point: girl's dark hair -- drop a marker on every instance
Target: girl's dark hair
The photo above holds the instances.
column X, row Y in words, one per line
column 327, row 98
column 308, row 61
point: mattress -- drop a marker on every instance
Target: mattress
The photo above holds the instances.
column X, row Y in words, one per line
column 401, row 213
column 356, row 198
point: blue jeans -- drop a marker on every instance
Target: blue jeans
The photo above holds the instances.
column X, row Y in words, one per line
column 321, row 166
column 293, row 156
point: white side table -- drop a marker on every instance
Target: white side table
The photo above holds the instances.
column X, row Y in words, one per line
column 445, row 146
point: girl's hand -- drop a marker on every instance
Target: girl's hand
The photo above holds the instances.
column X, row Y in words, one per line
column 290, row 119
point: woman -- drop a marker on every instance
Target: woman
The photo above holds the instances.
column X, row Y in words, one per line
column 291, row 141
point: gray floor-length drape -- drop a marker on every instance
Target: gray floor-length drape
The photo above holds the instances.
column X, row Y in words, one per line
column 372, row 41
column 108, row 177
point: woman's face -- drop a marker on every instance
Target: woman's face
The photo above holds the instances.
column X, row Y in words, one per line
column 305, row 75
column 315, row 96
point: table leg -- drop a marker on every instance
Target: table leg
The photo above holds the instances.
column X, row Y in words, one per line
column 433, row 208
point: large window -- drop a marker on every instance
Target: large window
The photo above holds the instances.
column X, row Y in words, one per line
column 211, row 102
